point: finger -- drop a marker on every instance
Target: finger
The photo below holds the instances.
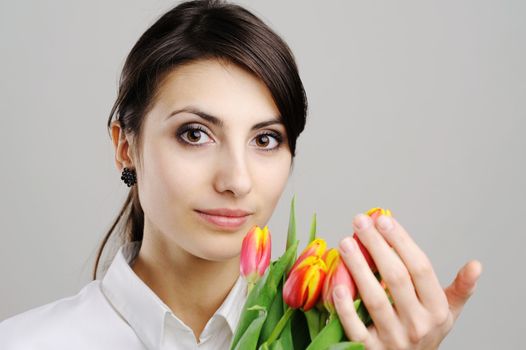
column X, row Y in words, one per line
column 426, row 282
column 391, row 268
column 354, row 327
column 371, row 292
column 463, row 286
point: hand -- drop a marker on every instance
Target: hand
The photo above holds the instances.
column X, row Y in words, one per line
column 422, row 313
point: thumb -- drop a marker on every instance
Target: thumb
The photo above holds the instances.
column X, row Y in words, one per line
column 463, row 286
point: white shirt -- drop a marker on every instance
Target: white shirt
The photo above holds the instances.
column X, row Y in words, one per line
column 118, row 312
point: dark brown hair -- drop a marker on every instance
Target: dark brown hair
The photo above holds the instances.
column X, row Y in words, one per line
column 190, row 31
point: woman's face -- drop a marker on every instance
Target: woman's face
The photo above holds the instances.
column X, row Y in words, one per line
column 212, row 140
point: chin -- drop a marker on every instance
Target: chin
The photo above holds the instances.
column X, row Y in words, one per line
column 223, row 248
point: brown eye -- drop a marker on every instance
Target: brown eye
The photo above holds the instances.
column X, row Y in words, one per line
column 194, row 135
column 268, row 141
column 263, row 140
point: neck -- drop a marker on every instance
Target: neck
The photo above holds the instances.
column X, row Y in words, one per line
column 165, row 268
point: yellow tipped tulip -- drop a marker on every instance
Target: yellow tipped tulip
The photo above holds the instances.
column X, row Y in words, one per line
column 255, row 254
column 305, row 279
column 337, row 273
column 304, row 283
column 315, row 248
column 374, row 213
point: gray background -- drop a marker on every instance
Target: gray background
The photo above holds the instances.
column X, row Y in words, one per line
column 415, row 106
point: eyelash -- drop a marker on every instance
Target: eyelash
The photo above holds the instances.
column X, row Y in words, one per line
column 277, row 136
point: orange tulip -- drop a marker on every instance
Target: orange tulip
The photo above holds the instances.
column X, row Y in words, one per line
column 337, row 273
column 255, row 254
column 304, row 284
column 374, row 213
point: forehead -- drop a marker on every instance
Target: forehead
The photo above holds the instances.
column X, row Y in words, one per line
column 219, row 87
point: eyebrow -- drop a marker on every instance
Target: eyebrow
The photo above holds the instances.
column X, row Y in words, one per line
column 218, row 122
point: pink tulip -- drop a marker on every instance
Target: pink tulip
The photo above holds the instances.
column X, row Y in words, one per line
column 255, row 254
column 337, row 273
column 374, row 213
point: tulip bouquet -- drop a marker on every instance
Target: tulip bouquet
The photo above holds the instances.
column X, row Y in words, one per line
column 289, row 303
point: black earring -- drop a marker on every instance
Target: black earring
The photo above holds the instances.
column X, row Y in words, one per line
column 129, row 176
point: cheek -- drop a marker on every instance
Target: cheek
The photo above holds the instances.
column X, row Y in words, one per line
column 272, row 180
column 181, row 174
column 171, row 181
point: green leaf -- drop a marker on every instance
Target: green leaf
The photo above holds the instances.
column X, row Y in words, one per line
column 312, row 235
column 332, row 333
column 313, row 322
column 263, row 293
column 274, row 314
column 283, row 321
column 285, row 340
column 249, row 340
column 347, row 345
column 263, row 346
column 291, row 237
column 291, row 234
column 277, row 345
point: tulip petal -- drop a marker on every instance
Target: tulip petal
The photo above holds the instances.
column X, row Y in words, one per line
column 264, row 251
column 255, row 254
column 315, row 248
column 315, row 284
column 248, row 252
column 305, row 282
column 374, row 213
column 293, row 295
column 337, row 273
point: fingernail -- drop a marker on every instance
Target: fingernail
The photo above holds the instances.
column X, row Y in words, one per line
column 385, row 222
column 347, row 245
column 362, row 221
column 340, row 292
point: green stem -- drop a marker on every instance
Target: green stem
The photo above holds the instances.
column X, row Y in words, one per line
column 250, row 286
column 279, row 327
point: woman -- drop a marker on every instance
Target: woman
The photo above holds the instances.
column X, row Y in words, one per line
column 209, row 109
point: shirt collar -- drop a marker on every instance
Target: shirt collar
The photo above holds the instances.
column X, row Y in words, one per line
column 144, row 311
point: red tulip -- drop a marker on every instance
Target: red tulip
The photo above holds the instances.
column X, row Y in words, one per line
column 337, row 273
column 255, row 254
column 304, row 284
column 374, row 213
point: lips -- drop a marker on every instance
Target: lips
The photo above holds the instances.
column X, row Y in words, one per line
column 229, row 219
column 225, row 212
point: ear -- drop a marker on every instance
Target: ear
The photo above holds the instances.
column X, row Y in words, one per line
column 121, row 146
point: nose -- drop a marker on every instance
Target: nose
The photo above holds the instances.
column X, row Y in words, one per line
column 233, row 173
